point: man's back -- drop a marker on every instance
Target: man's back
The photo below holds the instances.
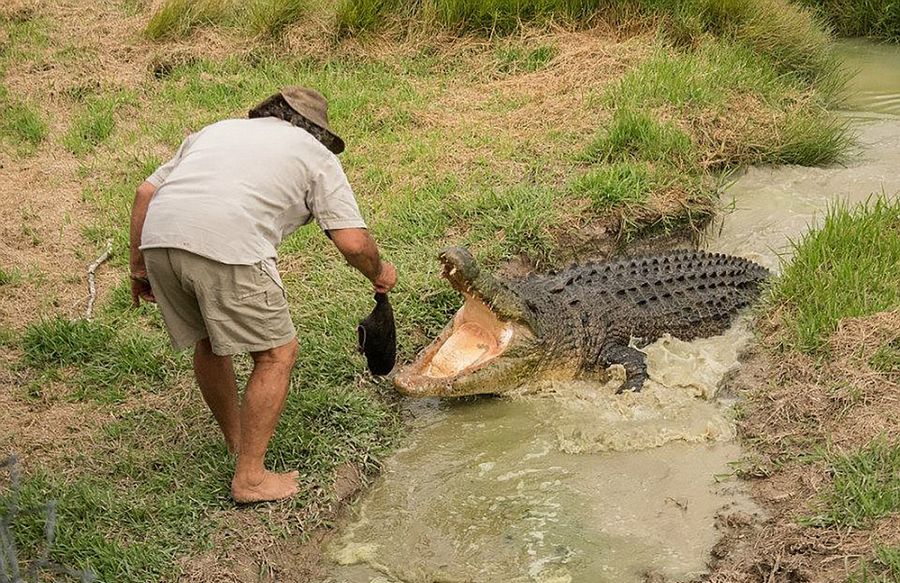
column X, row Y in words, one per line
column 236, row 188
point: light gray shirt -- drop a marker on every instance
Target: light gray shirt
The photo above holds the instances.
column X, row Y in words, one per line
column 237, row 188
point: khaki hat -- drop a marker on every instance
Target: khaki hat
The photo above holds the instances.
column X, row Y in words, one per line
column 312, row 105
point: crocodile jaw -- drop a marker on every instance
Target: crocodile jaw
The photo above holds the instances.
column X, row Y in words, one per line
column 478, row 352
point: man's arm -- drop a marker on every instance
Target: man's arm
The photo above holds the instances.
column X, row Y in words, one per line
column 360, row 250
column 140, row 285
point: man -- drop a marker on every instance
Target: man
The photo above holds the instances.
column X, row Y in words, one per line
column 204, row 230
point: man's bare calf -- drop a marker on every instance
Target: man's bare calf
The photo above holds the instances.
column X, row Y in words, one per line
column 260, row 411
column 248, row 427
column 215, row 376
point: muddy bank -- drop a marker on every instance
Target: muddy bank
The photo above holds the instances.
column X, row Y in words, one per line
column 792, row 407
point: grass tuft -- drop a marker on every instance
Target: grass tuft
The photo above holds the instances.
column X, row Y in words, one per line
column 517, row 59
column 178, row 18
column 886, row 359
column 865, row 486
column 271, row 17
column 781, row 31
column 487, row 16
column 884, row 568
column 810, row 137
column 634, row 135
column 623, row 183
column 846, row 268
column 853, row 18
column 92, row 126
column 20, row 125
column 10, row 276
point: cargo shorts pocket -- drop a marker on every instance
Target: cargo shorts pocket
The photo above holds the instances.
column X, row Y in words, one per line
column 252, row 317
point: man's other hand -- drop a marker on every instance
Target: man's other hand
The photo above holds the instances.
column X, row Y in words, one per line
column 140, row 289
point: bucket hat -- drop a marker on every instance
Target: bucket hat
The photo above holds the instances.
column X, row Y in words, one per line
column 314, row 107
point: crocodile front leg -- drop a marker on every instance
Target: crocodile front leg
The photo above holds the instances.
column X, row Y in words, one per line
column 634, row 362
column 614, row 349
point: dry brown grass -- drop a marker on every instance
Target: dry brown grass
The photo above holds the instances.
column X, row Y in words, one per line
column 794, row 404
column 844, row 402
column 521, row 111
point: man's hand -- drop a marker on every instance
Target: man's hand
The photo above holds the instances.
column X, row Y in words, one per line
column 386, row 279
column 140, row 285
column 140, row 288
column 359, row 249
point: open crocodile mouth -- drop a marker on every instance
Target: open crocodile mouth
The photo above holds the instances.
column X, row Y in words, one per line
column 486, row 328
column 474, row 339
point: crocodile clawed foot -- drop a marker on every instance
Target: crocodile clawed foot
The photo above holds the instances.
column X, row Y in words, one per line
column 631, row 385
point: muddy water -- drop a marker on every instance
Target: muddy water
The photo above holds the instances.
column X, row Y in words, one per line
column 572, row 483
column 875, row 86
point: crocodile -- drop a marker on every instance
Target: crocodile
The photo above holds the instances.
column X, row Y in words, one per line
column 577, row 321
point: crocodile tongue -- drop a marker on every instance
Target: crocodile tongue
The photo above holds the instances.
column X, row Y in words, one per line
column 466, row 277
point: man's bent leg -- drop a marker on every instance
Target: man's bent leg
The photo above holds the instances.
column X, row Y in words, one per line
column 215, row 376
column 262, row 406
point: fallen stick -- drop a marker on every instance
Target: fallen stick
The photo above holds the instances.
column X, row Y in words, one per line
column 92, row 287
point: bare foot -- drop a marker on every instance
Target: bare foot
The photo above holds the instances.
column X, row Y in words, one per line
column 272, row 486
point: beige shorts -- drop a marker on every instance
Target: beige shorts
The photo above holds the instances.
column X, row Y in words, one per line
column 239, row 307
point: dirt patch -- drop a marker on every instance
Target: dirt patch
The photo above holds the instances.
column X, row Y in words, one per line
column 792, row 404
column 48, row 429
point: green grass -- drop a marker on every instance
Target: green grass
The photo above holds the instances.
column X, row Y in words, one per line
column 865, row 486
column 809, row 137
column 10, row 276
column 108, row 365
column 271, row 17
column 623, row 183
column 725, row 79
column 878, row 19
column 845, row 268
column 513, row 59
column 500, row 16
column 789, row 36
column 123, row 520
column 160, row 479
column 638, row 136
column 178, row 18
column 883, row 568
column 20, row 125
column 92, row 126
column 886, row 358
column 61, row 342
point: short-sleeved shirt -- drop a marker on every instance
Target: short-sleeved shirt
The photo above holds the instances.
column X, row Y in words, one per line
column 238, row 187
